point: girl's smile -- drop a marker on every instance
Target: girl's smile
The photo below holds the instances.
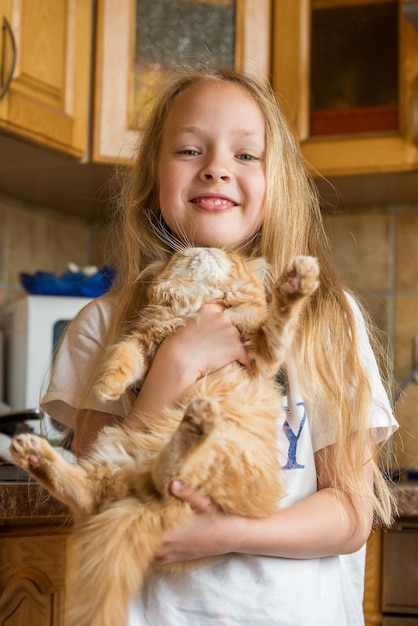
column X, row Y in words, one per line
column 211, row 165
column 213, row 203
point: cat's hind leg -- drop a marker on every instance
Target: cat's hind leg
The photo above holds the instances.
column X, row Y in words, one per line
column 199, row 420
column 124, row 365
column 66, row 481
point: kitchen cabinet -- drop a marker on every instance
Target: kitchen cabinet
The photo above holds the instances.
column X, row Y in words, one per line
column 46, row 72
column 400, row 621
column 372, row 603
column 35, row 554
column 391, row 581
column 120, row 59
column 33, row 576
column 376, row 137
column 400, row 574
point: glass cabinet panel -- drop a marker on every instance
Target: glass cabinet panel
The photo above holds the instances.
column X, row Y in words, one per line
column 346, row 72
column 138, row 40
column 180, row 32
column 354, row 66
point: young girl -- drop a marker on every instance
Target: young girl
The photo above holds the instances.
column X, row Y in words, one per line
column 218, row 166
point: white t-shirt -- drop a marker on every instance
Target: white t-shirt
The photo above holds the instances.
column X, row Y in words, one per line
column 236, row 589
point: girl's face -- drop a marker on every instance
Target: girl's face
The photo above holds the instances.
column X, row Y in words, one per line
column 211, row 170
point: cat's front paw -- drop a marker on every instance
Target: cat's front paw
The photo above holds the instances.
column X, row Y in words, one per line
column 30, row 451
column 301, row 276
column 124, row 366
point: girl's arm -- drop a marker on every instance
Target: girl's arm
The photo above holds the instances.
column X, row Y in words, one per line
column 205, row 344
column 88, row 424
column 325, row 523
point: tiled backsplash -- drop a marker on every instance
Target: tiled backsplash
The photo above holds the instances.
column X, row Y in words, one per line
column 375, row 249
column 33, row 238
column 376, row 254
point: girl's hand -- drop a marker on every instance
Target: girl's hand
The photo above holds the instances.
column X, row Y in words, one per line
column 206, row 533
column 203, row 345
column 206, row 343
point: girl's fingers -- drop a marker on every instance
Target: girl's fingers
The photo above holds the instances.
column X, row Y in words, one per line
column 198, row 502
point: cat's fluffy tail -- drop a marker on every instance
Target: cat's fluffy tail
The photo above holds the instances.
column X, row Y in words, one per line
column 115, row 549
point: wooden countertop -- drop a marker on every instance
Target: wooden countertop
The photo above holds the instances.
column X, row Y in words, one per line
column 25, row 501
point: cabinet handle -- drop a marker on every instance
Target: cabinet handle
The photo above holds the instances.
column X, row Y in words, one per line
column 7, row 30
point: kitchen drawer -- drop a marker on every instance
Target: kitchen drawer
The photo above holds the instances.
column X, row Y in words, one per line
column 400, row 621
column 400, row 572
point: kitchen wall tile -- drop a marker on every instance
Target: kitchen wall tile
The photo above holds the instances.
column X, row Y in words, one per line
column 103, row 244
column 361, row 244
column 69, row 243
column 34, row 238
column 28, row 245
column 407, row 251
column 405, row 330
column 378, row 307
column 2, row 240
column 406, row 439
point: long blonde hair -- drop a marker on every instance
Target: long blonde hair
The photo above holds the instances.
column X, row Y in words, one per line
column 326, row 354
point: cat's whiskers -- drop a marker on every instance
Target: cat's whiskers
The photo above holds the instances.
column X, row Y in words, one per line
column 181, row 240
column 175, row 242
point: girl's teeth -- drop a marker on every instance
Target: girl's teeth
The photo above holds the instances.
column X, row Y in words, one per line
column 215, row 201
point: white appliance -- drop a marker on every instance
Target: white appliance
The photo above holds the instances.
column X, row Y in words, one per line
column 34, row 326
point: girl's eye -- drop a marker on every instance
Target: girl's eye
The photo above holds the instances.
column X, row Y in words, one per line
column 189, row 152
column 246, row 157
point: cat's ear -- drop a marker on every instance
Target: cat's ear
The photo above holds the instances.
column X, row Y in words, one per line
column 259, row 267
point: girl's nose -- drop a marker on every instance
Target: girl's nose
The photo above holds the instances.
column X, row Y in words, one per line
column 212, row 175
column 215, row 172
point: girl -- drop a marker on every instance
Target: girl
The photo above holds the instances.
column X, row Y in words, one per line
column 218, row 166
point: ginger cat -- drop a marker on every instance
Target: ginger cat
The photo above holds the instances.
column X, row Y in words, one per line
column 220, row 439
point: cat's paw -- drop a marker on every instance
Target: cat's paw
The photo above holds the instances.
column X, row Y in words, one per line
column 301, row 276
column 124, row 366
column 200, row 417
column 30, row 451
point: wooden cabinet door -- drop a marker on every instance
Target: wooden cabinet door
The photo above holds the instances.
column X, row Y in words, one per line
column 32, row 579
column 372, row 602
column 115, row 127
column 351, row 153
column 400, row 568
column 48, row 43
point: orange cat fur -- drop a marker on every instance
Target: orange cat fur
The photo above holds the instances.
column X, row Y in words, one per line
column 220, row 439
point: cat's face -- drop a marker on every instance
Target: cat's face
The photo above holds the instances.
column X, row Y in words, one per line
column 210, row 270
column 207, row 266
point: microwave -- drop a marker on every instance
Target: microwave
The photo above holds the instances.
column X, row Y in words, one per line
column 34, row 325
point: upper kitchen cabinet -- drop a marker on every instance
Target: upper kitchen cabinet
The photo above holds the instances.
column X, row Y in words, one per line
column 138, row 40
column 45, row 72
column 347, row 75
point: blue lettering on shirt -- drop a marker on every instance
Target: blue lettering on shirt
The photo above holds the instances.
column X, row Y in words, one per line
column 293, row 441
